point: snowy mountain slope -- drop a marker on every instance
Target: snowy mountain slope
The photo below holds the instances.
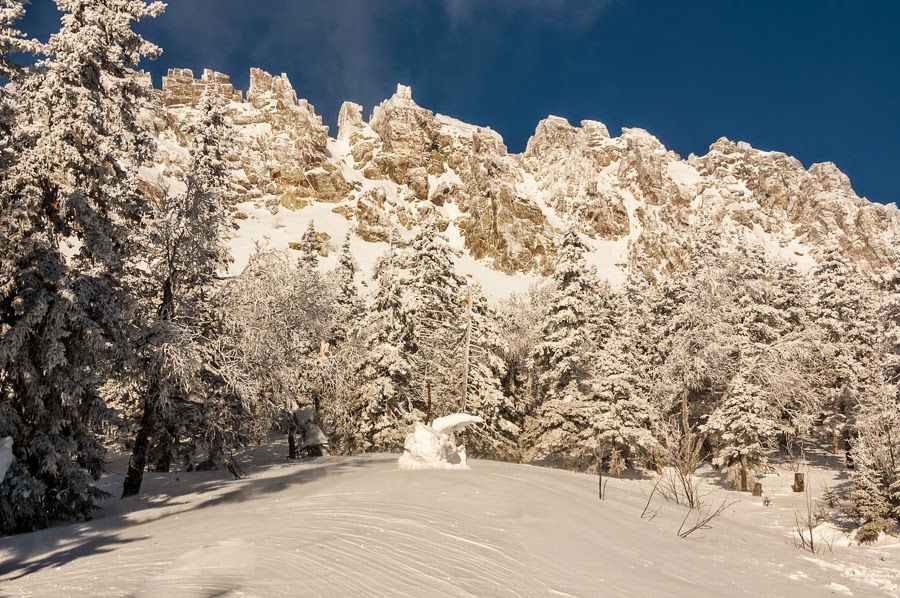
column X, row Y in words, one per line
column 631, row 197
column 357, row 526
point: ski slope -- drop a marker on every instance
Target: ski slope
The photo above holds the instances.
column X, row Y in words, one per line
column 358, row 526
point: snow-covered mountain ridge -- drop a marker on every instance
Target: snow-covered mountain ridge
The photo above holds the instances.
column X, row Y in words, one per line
column 633, row 198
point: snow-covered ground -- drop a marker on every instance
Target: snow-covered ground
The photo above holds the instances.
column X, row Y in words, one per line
column 358, row 526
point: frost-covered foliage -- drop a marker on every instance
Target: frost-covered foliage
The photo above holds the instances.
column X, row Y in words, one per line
column 273, row 315
column 576, row 326
column 481, row 370
column 12, row 41
column 875, row 488
column 845, row 310
column 434, row 314
column 384, row 405
column 178, row 394
column 71, row 204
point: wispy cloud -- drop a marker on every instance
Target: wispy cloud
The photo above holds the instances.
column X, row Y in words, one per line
column 564, row 14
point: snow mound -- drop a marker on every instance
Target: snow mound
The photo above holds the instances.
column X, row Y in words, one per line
column 433, row 447
column 6, row 455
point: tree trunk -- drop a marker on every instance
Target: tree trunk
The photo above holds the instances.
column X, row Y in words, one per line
column 836, row 439
column 686, row 430
column 138, row 462
column 744, row 484
column 292, row 439
column 466, row 344
column 428, row 403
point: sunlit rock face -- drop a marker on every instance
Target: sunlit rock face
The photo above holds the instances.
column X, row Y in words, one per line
column 635, row 201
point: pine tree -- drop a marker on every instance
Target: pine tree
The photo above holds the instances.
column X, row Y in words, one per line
column 65, row 318
column 844, row 307
column 349, row 307
column 875, row 483
column 481, row 374
column 743, row 423
column 187, row 253
column 577, row 325
column 12, row 41
column 385, row 404
column 309, row 253
column 434, row 314
column 624, row 420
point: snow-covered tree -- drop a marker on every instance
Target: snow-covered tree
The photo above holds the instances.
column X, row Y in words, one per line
column 875, row 483
column 577, row 324
column 309, row 252
column 745, row 422
column 12, row 42
column 481, row 372
column 70, row 204
column 274, row 315
column 624, row 419
column 349, row 307
column 435, row 316
column 187, row 253
column 521, row 318
column 845, row 307
column 386, row 404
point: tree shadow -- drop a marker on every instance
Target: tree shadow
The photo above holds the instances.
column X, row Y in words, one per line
column 168, row 496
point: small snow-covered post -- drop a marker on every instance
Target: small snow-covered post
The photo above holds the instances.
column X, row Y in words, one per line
column 757, row 489
column 799, row 482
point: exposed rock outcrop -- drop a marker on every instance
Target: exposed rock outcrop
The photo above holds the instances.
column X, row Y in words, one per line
column 406, row 166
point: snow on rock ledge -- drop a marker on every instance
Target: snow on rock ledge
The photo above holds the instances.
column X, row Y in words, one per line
column 432, row 447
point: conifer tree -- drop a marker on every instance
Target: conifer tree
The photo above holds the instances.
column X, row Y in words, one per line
column 578, row 323
column 309, row 253
column 481, row 375
column 187, row 253
column 624, row 420
column 434, row 313
column 65, row 319
column 844, row 307
column 385, row 403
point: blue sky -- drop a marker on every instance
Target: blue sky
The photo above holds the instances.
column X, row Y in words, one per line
column 818, row 79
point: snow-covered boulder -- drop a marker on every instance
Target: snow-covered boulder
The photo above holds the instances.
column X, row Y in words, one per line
column 433, row 447
column 6, row 455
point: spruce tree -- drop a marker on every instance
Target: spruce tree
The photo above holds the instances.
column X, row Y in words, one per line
column 435, row 315
column 187, row 253
column 65, row 318
column 385, row 405
column 578, row 323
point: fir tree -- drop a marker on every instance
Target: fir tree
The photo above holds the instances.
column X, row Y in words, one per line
column 481, row 375
column 64, row 320
column 434, row 314
column 624, row 420
column 187, row 253
column 385, row 405
column 577, row 325
column 309, row 252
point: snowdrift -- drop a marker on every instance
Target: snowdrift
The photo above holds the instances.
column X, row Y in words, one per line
column 433, row 447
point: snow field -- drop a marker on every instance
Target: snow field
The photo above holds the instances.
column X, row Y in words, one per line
column 358, row 526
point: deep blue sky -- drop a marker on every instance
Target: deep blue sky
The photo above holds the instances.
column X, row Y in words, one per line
column 818, row 79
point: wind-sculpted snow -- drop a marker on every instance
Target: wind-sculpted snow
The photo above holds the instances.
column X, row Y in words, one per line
column 433, row 447
column 359, row 527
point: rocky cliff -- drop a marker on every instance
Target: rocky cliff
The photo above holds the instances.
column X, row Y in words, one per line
column 406, row 165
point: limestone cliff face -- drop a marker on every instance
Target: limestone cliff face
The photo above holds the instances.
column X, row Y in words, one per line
column 406, row 166
column 279, row 141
